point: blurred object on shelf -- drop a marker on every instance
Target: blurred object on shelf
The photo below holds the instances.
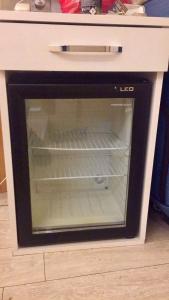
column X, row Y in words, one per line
column 92, row 7
column 107, row 4
column 70, row 6
column 135, row 10
column 120, row 8
column 22, row 5
column 74, row 6
column 41, row 5
column 55, row 6
column 157, row 8
column 138, row 2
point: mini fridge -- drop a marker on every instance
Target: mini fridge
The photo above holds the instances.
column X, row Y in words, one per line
column 78, row 149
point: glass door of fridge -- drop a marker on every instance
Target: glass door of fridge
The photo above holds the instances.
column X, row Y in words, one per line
column 79, row 162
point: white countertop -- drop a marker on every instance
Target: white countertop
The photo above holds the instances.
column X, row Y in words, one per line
column 52, row 17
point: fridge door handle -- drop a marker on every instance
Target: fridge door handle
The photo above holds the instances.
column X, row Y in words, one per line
column 85, row 49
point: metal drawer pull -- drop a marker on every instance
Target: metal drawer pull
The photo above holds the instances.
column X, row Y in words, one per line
column 85, row 49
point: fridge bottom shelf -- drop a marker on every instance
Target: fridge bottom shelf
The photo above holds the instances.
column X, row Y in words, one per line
column 77, row 209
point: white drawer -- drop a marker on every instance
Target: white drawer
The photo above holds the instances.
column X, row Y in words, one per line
column 26, row 47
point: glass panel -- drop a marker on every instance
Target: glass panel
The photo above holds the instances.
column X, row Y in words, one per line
column 79, row 156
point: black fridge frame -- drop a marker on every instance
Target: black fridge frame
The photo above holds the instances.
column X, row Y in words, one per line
column 17, row 93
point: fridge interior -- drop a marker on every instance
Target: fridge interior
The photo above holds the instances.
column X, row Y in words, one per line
column 79, row 160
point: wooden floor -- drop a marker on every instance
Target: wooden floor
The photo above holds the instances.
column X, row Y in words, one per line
column 130, row 273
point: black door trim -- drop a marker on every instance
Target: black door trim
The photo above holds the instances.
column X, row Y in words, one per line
column 17, row 93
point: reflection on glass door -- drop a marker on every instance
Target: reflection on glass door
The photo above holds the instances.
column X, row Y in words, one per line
column 79, row 161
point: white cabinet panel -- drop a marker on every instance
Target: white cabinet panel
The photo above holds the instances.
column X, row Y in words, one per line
column 28, row 47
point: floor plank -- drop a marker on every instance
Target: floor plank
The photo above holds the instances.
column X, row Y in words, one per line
column 148, row 284
column 5, row 236
column 3, row 212
column 3, row 199
column 157, row 229
column 77, row 263
column 21, row 270
column 5, row 254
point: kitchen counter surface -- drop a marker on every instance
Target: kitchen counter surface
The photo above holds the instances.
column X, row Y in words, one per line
column 13, row 16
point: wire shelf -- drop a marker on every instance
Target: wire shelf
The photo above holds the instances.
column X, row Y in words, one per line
column 77, row 139
column 82, row 209
column 58, row 167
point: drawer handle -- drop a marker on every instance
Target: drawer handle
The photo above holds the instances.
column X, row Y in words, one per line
column 85, row 49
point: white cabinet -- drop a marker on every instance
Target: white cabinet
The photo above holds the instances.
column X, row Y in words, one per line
column 31, row 41
column 32, row 46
